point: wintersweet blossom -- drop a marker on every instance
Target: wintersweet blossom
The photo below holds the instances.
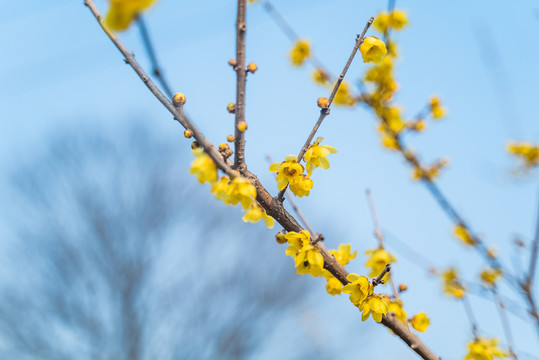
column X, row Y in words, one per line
column 320, row 77
column 463, row 234
column 122, row 12
column 484, row 349
column 287, row 171
column 300, row 52
column 490, row 276
column 301, row 186
column 203, row 167
column 527, row 152
column 333, row 286
column 316, row 156
column 420, row 322
column 343, row 96
column 358, row 288
column 397, row 20
column 377, row 261
column 297, row 241
column 452, row 285
column 343, row 254
column 375, row 305
column 396, row 308
column 436, row 108
column 255, row 213
column 309, row 261
column 373, row 50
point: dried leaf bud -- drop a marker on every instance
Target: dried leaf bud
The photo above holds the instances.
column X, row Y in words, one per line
column 230, row 138
column 323, row 102
column 229, row 153
column 280, row 238
column 178, row 99
column 232, row 62
column 242, row 126
column 252, row 67
column 403, row 287
column 195, row 145
column 223, row 147
column 188, row 134
column 231, row 108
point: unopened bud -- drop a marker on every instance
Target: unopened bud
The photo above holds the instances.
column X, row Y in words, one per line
column 231, row 108
column 323, row 102
column 280, row 238
column 230, row 138
column 403, row 287
column 188, row 134
column 252, row 67
column 242, row 126
column 229, row 153
column 178, row 99
column 195, row 145
column 232, row 62
column 223, row 147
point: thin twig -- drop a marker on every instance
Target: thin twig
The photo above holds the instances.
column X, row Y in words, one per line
column 469, row 313
column 241, row 78
column 156, row 69
column 379, row 280
column 533, row 253
column 325, row 112
column 500, row 306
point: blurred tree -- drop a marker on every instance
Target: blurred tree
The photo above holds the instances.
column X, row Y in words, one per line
column 111, row 264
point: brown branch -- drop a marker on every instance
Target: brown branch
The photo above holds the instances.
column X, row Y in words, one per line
column 148, row 46
column 241, row 78
column 379, row 280
column 505, row 321
column 273, row 207
column 469, row 313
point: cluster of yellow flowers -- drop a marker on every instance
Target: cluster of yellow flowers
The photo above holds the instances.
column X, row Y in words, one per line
column 306, row 257
column 300, row 52
column 484, row 349
column 343, row 255
column 429, row 173
column 452, row 285
column 490, row 276
column 377, row 261
column 527, row 152
column 290, row 171
column 362, row 296
column 419, row 322
column 397, row 19
column 231, row 192
column 122, row 12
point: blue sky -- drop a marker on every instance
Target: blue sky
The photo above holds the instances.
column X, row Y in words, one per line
column 58, row 70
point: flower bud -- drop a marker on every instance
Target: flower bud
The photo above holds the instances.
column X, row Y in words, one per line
column 223, row 147
column 229, row 153
column 403, row 287
column 178, row 99
column 232, row 62
column 323, row 102
column 231, row 108
column 252, row 67
column 188, row 134
column 242, row 126
column 195, row 145
column 230, row 138
column 279, row 237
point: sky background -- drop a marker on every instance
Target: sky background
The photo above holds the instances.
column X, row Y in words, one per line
column 58, row 70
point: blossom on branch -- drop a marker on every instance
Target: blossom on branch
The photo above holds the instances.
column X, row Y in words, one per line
column 377, row 261
column 343, row 254
column 484, row 349
column 122, row 12
column 373, row 50
column 420, row 322
column 290, row 172
column 375, row 305
column 397, row 19
column 300, row 52
column 316, row 154
column 203, row 167
column 452, row 285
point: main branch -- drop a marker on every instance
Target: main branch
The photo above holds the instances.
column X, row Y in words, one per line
column 241, row 79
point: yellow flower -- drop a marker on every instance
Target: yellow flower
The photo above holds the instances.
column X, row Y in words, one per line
column 490, row 276
column 377, row 261
column 255, row 213
column 527, row 152
column 300, row 52
column 393, row 120
column 397, row 20
column 484, row 349
column 358, row 288
column 373, row 50
column 343, row 96
column 430, row 173
column 320, row 77
column 287, row 171
column 436, row 108
column 297, row 241
column 122, row 12
column 334, row 286
column 420, row 322
column 375, row 305
column 301, row 186
column 396, row 308
column 309, row 261
column 315, row 156
column 463, row 234
column 203, row 167
column 389, row 141
column 343, row 254
column 452, row 285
